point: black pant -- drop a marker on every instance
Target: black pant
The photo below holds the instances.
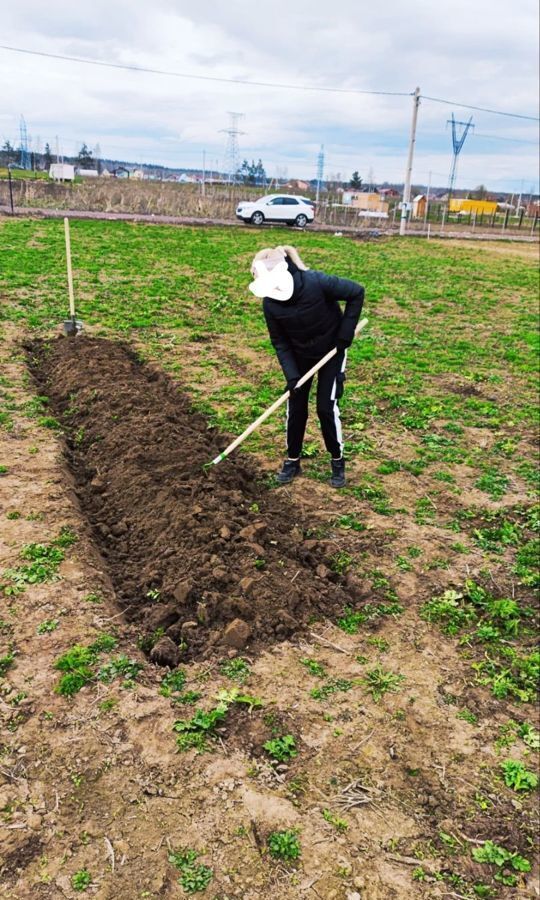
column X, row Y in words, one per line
column 329, row 389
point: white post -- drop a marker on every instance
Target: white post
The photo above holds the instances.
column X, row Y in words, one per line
column 427, row 200
column 69, row 272
column 442, row 222
column 408, row 173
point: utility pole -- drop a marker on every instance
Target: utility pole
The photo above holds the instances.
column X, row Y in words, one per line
column 457, row 144
column 203, row 185
column 320, row 172
column 408, row 173
column 232, row 151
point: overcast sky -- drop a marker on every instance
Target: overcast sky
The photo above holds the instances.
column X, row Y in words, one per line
column 481, row 52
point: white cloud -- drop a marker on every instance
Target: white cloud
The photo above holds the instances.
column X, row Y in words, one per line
column 482, row 52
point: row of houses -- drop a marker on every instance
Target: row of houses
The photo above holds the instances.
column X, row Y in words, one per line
column 377, row 204
column 67, row 172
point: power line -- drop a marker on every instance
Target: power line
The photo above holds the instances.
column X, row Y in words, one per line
column 495, row 112
column 497, row 137
column 270, row 84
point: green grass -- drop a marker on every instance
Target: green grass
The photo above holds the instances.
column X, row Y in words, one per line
column 78, row 664
column 497, row 626
column 42, row 563
column 446, row 373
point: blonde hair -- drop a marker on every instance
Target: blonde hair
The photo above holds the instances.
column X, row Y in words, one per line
column 274, row 255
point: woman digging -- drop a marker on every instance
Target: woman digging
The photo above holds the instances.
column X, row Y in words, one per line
column 305, row 321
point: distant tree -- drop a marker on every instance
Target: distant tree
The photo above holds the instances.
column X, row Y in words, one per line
column 253, row 173
column 356, row 181
column 260, row 173
column 85, row 160
column 479, row 193
column 47, row 157
column 243, row 173
column 8, row 154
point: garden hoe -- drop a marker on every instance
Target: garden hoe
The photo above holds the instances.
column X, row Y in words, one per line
column 254, row 425
column 72, row 326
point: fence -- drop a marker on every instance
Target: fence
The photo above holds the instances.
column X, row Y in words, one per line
column 219, row 201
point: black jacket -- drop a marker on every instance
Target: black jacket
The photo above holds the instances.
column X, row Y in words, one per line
column 309, row 324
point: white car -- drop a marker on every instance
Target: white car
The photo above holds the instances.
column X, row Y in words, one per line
column 277, row 208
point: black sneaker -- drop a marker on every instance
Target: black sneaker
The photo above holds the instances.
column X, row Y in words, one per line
column 291, row 468
column 338, row 473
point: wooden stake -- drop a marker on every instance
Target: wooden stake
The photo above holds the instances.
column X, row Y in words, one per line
column 254, row 425
column 69, row 272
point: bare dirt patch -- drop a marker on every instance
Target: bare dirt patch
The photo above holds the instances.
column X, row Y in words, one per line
column 210, row 556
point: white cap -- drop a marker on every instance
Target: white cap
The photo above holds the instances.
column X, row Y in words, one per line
column 276, row 282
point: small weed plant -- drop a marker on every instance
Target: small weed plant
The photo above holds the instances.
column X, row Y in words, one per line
column 197, row 732
column 379, row 682
column 42, row 563
column 339, row 824
column 517, row 777
column 194, row 876
column 506, row 862
column 282, row 749
column 81, row 880
column 332, row 686
column 314, row 667
column 353, row 619
column 78, row 664
column 284, row 845
column 173, row 683
column 236, row 669
column 47, row 626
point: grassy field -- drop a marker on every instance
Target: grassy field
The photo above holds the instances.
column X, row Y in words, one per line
column 438, row 525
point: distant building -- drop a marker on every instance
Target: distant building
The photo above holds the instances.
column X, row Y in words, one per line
column 297, row 185
column 367, row 201
column 120, row 172
column 86, row 173
column 461, row 205
column 138, row 174
column 389, row 192
column 419, row 206
column 62, row 172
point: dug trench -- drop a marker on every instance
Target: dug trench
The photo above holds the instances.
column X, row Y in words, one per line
column 201, row 558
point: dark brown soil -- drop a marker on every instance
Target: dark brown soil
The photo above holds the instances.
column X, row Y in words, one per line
column 189, row 549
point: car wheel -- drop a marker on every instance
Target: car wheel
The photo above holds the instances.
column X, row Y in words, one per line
column 301, row 221
column 257, row 218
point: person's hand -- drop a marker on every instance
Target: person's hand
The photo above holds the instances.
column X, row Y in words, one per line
column 343, row 343
column 291, row 384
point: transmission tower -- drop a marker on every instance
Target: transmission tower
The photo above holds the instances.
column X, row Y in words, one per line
column 25, row 155
column 232, row 150
column 320, row 171
column 457, row 143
